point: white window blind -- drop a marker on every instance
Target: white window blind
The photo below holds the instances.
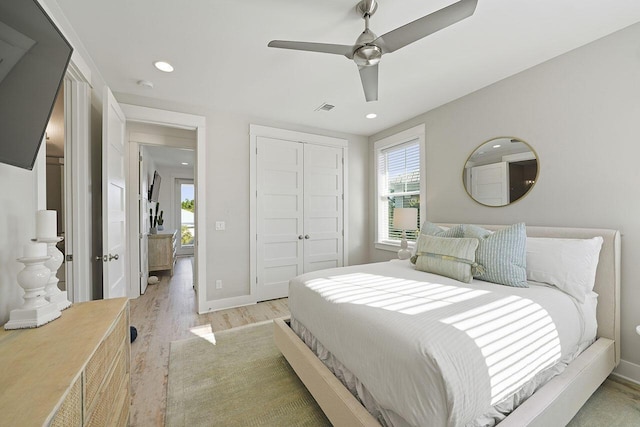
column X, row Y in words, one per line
column 398, row 186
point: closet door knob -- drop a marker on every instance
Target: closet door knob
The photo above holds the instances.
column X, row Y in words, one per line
column 306, row 236
column 300, row 237
column 116, row 256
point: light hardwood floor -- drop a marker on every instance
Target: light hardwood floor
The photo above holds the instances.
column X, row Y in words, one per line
column 165, row 313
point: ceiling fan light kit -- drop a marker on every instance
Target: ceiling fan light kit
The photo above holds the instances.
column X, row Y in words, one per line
column 369, row 48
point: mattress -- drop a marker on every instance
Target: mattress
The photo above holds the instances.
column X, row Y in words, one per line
column 420, row 349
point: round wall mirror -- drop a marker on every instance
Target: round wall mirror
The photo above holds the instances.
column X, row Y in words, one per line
column 500, row 171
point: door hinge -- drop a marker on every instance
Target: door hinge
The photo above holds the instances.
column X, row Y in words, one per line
column 342, row 233
column 141, row 274
column 69, row 257
column 141, row 235
column 256, row 280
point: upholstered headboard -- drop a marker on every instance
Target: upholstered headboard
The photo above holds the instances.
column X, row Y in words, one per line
column 607, row 284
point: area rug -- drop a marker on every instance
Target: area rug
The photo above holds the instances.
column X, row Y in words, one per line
column 615, row 403
column 242, row 380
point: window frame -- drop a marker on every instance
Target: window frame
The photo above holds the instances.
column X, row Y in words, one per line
column 400, row 138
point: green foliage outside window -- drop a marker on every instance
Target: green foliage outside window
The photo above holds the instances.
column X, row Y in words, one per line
column 185, row 235
column 189, row 205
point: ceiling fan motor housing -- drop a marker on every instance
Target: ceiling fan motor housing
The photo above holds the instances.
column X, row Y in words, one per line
column 367, row 55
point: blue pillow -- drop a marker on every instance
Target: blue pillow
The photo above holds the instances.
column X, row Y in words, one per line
column 503, row 254
column 430, row 229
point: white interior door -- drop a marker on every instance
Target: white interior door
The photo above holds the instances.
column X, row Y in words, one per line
column 279, row 227
column 323, row 206
column 490, row 184
column 143, row 222
column 113, row 198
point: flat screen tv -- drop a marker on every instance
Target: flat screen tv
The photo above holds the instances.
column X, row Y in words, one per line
column 154, row 191
column 34, row 56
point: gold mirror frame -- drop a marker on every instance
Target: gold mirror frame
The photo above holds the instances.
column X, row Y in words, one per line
column 512, row 164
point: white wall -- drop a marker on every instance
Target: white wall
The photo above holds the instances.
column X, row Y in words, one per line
column 227, row 184
column 581, row 113
column 19, row 201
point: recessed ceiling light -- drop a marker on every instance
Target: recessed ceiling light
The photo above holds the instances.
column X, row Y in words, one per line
column 497, row 146
column 371, row 116
column 185, row 164
column 163, row 66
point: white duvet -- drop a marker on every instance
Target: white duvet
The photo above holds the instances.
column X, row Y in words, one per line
column 432, row 351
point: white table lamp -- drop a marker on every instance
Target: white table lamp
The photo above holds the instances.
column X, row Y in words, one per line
column 405, row 219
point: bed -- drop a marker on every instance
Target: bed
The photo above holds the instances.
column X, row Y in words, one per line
column 342, row 328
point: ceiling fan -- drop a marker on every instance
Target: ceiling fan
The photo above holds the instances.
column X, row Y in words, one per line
column 369, row 48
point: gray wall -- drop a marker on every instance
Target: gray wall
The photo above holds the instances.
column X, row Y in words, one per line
column 581, row 113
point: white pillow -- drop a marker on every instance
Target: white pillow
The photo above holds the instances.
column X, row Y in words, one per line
column 568, row 264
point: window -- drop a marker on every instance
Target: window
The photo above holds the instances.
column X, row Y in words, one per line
column 399, row 161
column 186, row 205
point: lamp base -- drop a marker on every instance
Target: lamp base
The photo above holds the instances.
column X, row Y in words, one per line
column 404, row 254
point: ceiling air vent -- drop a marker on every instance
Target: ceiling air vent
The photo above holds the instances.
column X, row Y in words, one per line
column 325, row 107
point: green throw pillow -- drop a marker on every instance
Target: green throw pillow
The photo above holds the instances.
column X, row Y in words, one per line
column 430, row 229
column 503, row 254
column 450, row 257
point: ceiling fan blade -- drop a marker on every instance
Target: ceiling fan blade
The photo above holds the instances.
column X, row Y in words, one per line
column 409, row 33
column 338, row 49
column 369, row 77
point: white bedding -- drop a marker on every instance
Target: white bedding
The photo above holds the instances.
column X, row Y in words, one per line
column 432, row 351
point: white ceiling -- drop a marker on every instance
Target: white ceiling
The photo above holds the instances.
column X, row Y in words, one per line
column 222, row 62
column 172, row 157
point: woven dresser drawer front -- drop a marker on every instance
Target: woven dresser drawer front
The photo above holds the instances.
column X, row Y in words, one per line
column 101, row 362
column 123, row 402
column 70, row 412
column 103, row 412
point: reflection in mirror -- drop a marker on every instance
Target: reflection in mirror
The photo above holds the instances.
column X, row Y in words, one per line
column 500, row 171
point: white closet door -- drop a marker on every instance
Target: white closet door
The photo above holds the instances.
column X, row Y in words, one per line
column 490, row 184
column 279, row 225
column 323, row 206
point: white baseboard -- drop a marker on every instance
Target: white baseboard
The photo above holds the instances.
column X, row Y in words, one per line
column 225, row 303
column 628, row 371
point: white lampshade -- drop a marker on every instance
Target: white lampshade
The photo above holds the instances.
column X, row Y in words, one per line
column 405, row 218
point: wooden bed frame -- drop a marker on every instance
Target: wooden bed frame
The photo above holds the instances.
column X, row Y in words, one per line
column 554, row 404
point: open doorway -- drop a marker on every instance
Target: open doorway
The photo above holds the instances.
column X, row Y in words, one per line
column 167, row 156
column 56, row 183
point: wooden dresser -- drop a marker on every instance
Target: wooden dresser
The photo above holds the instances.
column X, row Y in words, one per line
column 162, row 251
column 74, row 371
